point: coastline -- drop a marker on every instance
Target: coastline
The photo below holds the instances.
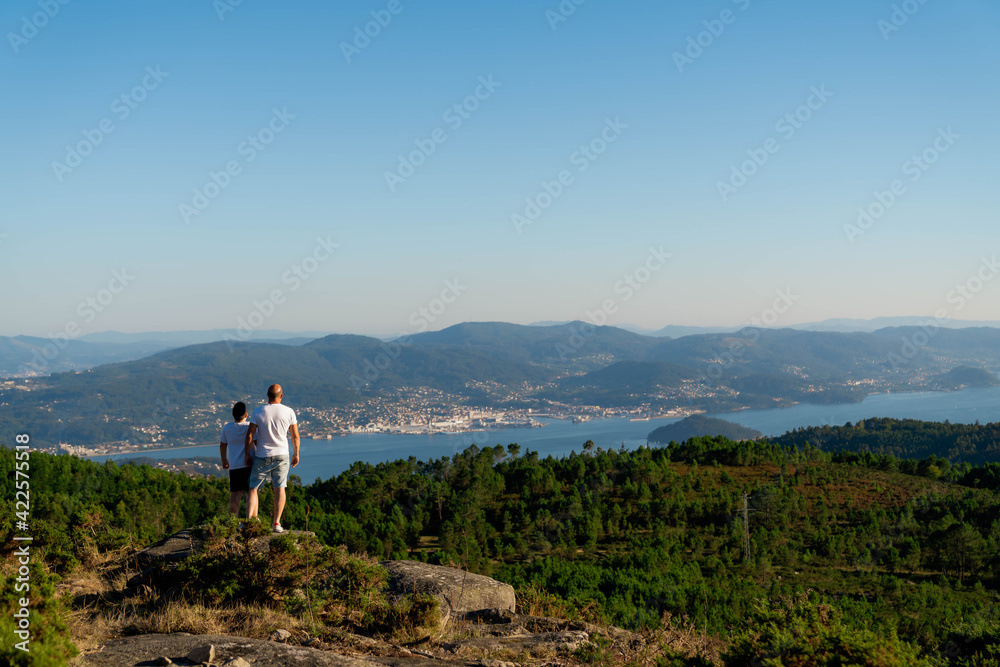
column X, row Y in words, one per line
column 322, row 438
column 734, row 414
column 143, row 451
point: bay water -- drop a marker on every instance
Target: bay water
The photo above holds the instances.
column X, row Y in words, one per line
column 322, row 459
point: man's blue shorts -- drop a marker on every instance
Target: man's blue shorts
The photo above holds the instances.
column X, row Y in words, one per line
column 275, row 466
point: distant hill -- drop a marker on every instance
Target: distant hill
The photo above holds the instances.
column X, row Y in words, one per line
column 679, row 331
column 450, row 368
column 973, row 346
column 23, row 356
column 572, row 346
column 642, row 376
column 196, row 337
column 623, row 383
column 874, row 324
column 811, row 354
column 698, row 425
column 965, row 376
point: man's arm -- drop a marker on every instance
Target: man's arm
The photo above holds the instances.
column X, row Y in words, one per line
column 248, row 444
column 222, row 452
column 294, row 430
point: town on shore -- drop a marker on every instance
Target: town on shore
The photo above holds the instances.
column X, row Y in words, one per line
column 329, row 424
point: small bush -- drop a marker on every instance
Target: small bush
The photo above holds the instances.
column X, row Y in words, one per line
column 795, row 632
column 973, row 644
column 47, row 643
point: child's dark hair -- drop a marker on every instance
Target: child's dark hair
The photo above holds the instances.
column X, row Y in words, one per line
column 239, row 411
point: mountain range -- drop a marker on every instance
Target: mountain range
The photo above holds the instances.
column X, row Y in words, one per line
column 497, row 365
column 25, row 356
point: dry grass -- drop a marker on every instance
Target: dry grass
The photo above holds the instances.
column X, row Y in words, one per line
column 681, row 636
column 243, row 620
column 103, row 609
column 535, row 601
column 94, row 624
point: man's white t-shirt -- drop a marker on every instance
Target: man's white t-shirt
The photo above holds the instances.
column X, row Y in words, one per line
column 235, row 435
column 273, row 421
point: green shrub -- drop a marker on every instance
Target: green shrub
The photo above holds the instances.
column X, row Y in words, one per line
column 973, row 644
column 795, row 632
column 47, row 644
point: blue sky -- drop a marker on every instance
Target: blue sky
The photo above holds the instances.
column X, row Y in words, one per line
column 223, row 73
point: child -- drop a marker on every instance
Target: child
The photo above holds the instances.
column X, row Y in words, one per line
column 231, row 447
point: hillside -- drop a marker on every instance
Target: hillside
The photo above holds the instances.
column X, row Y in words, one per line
column 965, row 376
column 697, row 426
column 23, row 356
column 813, row 355
column 974, row 346
column 903, row 438
column 350, row 361
column 187, row 391
column 893, row 555
column 623, row 383
column 572, row 346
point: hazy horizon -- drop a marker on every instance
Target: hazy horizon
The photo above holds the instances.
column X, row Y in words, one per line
column 832, row 325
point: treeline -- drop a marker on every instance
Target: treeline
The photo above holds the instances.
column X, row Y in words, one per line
column 904, row 439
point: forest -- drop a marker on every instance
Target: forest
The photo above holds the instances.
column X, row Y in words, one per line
column 902, row 547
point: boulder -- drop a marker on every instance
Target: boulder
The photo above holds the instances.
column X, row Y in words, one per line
column 171, row 549
column 203, row 653
column 458, row 591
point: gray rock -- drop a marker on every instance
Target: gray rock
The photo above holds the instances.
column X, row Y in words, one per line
column 143, row 649
column 201, row 654
column 236, row 662
column 542, row 644
column 171, row 549
column 458, row 591
column 163, row 661
column 280, row 635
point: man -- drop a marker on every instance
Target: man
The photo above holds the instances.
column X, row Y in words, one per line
column 271, row 423
column 232, row 448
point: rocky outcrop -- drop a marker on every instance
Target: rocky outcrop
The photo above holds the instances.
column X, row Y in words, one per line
column 188, row 542
column 458, row 591
column 184, row 649
column 481, row 610
column 490, row 638
column 151, row 563
column 171, row 549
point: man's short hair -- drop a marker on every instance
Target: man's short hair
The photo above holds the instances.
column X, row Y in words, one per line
column 239, row 411
column 273, row 392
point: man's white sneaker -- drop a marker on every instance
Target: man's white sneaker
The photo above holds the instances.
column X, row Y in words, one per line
column 277, row 528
